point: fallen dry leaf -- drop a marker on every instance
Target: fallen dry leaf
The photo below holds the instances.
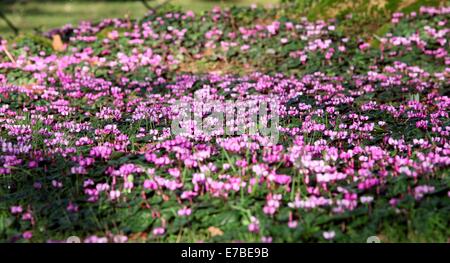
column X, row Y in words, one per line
column 57, row 43
column 35, row 89
column 165, row 197
column 139, row 237
column 214, row 231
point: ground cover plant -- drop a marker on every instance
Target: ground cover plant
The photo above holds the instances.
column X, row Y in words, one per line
column 362, row 148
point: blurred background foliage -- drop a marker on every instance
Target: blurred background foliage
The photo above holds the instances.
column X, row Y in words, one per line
column 367, row 16
column 30, row 15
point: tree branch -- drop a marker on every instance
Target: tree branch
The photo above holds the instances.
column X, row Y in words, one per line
column 9, row 23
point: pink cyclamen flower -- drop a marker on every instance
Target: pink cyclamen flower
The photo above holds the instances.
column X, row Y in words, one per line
column 292, row 224
column 96, row 239
column 150, row 184
column 366, row 199
column 329, row 235
column 174, row 172
column 159, row 231
column 72, row 207
column 16, row 209
column 254, row 225
column 364, row 46
column 120, row 239
column 226, row 166
column 114, row 194
column 393, row 202
column 27, row 234
column 57, row 184
column 267, row 239
column 37, row 185
column 185, row 211
column 27, row 216
column 245, row 47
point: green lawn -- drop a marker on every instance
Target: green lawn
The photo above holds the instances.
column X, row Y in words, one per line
column 45, row 15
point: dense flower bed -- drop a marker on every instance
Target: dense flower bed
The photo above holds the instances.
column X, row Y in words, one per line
column 87, row 147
